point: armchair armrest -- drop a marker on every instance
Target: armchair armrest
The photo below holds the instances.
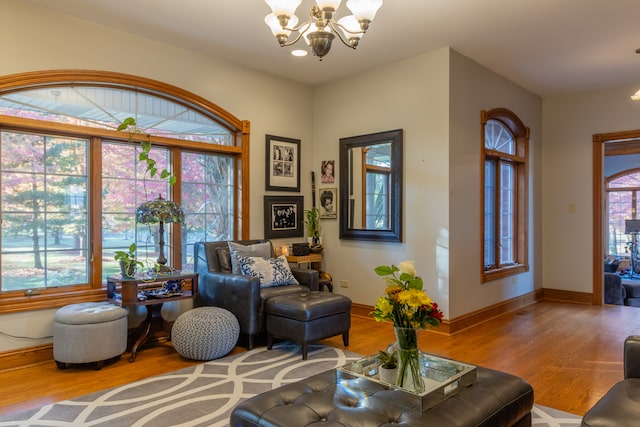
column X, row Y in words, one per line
column 632, row 357
column 308, row 278
column 238, row 294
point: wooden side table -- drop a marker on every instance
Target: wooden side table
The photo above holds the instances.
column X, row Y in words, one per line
column 129, row 295
column 315, row 262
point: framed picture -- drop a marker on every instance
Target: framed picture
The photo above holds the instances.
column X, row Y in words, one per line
column 328, row 203
column 327, row 168
column 282, row 164
column 283, row 216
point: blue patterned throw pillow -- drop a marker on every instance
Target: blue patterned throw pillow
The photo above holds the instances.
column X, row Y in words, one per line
column 270, row 271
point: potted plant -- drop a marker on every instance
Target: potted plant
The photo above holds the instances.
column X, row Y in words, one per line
column 128, row 261
column 388, row 368
column 313, row 225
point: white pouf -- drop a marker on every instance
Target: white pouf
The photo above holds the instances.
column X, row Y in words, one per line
column 89, row 332
column 205, row 333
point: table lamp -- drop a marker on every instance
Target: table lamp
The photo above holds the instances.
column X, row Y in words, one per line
column 159, row 211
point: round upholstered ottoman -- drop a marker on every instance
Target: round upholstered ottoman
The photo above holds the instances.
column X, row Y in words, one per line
column 89, row 332
column 205, row 333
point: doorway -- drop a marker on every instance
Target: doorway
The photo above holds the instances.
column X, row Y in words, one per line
column 605, row 144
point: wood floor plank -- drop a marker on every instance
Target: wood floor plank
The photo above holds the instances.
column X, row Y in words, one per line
column 571, row 354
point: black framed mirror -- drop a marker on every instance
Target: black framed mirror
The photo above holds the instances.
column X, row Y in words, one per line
column 371, row 186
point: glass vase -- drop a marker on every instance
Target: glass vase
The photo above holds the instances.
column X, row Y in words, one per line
column 408, row 360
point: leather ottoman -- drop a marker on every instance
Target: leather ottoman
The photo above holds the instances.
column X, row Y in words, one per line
column 496, row 399
column 306, row 317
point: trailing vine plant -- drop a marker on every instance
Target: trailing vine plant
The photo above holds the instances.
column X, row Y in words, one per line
column 145, row 148
column 130, row 125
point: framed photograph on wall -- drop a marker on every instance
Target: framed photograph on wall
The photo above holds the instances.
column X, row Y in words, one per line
column 328, row 203
column 282, row 164
column 327, row 171
column 283, row 216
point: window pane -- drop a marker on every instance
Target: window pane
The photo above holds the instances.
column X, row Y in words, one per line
column 507, row 214
column 498, row 137
column 631, row 180
column 125, row 186
column 377, row 207
column 101, row 107
column 489, row 213
column 44, row 211
column 620, row 206
column 207, row 201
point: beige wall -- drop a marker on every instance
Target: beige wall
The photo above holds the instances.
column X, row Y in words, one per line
column 411, row 95
column 475, row 88
column 567, row 219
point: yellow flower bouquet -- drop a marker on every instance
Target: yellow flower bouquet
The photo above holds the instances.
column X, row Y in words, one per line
column 409, row 308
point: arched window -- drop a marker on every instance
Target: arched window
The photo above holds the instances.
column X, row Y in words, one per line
column 505, row 142
column 623, row 192
column 70, row 182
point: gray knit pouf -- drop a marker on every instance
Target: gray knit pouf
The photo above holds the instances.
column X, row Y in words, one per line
column 205, row 333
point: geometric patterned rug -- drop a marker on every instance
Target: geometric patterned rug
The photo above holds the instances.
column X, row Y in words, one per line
column 205, row 394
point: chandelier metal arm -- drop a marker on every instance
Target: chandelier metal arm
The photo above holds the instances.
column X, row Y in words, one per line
column 300, row 32
column 347, row 43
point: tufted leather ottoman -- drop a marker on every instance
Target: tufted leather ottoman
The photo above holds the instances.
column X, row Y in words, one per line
column 496, row 399
column 305, row 317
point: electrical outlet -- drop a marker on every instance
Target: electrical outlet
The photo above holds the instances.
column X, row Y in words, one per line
column 344, row 283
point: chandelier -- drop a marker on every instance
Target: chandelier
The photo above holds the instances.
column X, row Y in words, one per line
column 321, row 27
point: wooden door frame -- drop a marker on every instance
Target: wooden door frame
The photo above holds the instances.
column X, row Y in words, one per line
column 627, row 142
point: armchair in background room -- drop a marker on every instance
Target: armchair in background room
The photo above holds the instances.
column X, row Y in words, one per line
column 222, row 285
column 614, row 292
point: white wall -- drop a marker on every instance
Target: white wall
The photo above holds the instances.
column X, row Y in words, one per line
column 411, row 95
column 475, row 88
column 35, row 38
column 567, row 220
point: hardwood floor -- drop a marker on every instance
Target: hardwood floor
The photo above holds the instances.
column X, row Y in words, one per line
column 571, row 354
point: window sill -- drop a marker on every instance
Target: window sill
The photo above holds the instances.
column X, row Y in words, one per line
column 499, row 273
column 47, row 299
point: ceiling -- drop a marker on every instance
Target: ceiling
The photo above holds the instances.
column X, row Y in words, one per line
column 549, row 47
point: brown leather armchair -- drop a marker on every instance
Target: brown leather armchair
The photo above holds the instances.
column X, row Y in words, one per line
column 241, row 295
column 620, row 406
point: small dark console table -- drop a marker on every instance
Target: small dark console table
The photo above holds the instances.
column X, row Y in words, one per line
column 152, row 293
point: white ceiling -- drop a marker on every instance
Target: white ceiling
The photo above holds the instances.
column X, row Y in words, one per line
column 546, row 46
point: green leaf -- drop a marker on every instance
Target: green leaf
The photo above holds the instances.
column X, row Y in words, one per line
column 415, row 283
column 164, row 174
column 129, row 121
column 146, row 146
column 384, row 270
column 172, row 180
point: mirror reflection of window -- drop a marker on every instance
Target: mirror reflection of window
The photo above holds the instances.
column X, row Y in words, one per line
column 376, row 179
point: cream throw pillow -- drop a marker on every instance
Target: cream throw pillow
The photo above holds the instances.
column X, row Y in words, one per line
column 255, row 250
column 270, row 271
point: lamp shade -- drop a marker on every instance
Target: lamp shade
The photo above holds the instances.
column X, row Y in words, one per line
column 283, row 7
column 276, row 28
column 328, row 4
column 159, row 210
column 364, row 9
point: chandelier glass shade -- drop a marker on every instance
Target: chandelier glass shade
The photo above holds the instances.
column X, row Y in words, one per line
column 321, row 28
